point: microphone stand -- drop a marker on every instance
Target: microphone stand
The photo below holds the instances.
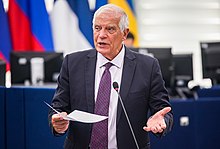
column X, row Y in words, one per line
column 115, row 86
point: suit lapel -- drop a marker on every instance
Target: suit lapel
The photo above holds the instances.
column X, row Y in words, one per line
column 89, row 78
column 127, row 76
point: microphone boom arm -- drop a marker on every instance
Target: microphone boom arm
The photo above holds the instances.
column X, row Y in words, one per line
column 115, row 86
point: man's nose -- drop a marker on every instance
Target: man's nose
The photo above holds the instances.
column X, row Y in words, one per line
column 103, row 33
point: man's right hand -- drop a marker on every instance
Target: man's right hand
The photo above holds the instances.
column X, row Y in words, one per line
column 59, row 124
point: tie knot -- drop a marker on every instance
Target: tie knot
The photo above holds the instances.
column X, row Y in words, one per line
column 108, row 65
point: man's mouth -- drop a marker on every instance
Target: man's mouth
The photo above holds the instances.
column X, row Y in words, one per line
column 102, row 43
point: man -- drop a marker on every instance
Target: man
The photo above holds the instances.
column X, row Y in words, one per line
column 140, row 86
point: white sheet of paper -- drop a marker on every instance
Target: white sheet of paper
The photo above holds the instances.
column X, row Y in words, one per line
column 85, row 117
column 80, row 116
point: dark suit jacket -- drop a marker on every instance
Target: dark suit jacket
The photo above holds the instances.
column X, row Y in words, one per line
column 142, row 90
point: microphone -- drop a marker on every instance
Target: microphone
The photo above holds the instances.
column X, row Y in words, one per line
column 116, row 87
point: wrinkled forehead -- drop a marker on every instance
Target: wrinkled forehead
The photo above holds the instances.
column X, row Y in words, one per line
column 107, row 17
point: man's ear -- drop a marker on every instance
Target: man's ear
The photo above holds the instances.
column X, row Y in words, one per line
column 125, row 33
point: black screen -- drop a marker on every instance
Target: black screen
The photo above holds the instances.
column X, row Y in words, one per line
column 2, row 72
column 164, row 56
column 183, row 69
column 20, row 65
column 211, row 61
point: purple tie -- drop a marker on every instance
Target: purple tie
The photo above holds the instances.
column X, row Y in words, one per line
column 99, row 138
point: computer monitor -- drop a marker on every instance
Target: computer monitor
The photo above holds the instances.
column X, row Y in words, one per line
column 183, row 69
column 210, row 52
column 2, row 72
column 164, row 56
column 21, row 67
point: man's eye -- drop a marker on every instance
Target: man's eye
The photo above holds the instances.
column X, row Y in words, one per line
column 111, row 30
column 97, row 28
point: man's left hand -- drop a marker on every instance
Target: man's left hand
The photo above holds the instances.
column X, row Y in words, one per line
column 156, row 123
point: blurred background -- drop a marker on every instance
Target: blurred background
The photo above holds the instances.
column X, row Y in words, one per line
column 65, row 26
column 184, row 36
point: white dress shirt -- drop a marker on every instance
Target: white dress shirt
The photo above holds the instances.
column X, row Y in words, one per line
column 116, row 75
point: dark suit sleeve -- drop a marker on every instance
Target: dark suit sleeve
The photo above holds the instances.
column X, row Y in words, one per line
column 61, row 97
column 169, row 122
column 159, row 98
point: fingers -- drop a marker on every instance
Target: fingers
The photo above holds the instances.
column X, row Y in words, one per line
column 154, row 129
column 164, row 111
column 60, row 125
column 163, row 126
column 156, row 123
column 147, row 128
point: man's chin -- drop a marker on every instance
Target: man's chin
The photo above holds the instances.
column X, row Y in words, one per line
column 102, row 50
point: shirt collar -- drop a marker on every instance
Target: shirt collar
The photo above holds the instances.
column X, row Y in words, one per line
column 117, row 61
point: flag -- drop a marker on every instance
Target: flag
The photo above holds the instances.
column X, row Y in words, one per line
column 128, row 7
column 71, row 22
column 29, row 26
column 5, row 43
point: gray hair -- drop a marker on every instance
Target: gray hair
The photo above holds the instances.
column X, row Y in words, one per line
column 119, row 12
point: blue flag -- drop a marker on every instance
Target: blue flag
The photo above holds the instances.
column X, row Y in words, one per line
column 71, row 22
column 5, row 43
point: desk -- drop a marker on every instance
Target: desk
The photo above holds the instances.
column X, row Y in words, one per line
column 209, row 92
column 203, row 129
column 26, row 123
column 207, row 123
column 180, row 134
column 2, row 119
column 26, row 119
